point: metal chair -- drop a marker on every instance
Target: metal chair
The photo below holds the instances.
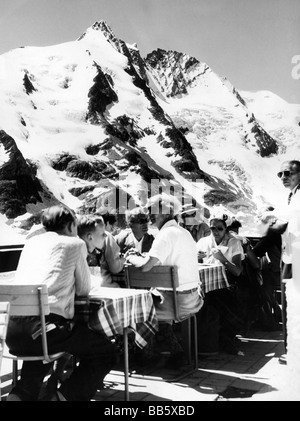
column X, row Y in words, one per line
column 165, row 277
column 28, row 300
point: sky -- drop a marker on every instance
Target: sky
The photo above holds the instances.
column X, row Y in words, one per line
column 255, row 44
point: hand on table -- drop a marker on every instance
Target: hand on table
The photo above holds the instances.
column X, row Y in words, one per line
column 201, row 255
column 135, row 258
column 132, row 252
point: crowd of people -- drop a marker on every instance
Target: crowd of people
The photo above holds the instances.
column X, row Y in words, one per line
column 76, row 254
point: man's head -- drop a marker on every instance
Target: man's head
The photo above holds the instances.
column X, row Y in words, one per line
column 163, row 208
column 110, row 220
column 290, row 174
column 60, row 219
column 190, row 216
column 137, row 219
column 235, row 226
column 91, row 229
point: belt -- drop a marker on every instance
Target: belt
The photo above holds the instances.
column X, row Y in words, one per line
column 188, row 291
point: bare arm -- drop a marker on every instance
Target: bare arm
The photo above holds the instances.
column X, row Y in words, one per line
column 149, row 265
column 234, row 267
column 112, row 255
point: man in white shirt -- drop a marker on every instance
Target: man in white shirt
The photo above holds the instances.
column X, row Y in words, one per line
column 173, row 246
column 290, row 176
column 58, row 259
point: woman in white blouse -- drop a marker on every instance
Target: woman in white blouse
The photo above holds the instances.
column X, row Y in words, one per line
column 221, row 247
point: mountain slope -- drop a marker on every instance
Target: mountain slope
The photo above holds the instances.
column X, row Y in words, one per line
column 96, row 123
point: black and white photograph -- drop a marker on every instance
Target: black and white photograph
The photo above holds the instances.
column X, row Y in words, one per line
column 150, row 203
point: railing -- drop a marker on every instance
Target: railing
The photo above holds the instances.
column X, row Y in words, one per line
column 9, row 257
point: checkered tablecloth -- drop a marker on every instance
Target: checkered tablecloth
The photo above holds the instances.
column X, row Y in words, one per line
column 119, row 308
column 212, row 277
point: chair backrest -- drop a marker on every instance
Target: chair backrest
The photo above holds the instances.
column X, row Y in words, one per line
column 158, row 277
column 27, row 300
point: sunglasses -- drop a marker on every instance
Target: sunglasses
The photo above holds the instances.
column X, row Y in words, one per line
column 285, row 174
column 141, row 221
column 217, row 228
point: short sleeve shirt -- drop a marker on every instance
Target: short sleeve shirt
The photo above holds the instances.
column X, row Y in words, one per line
column 231, row 247
column 174, row 246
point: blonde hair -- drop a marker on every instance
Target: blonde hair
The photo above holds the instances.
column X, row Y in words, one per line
column 87, row 224
column 165, row 204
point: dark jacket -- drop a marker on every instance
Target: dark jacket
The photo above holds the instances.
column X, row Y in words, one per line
column 125, row 241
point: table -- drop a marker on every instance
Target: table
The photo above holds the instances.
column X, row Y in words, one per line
column 118, row 311
column 212, row 277
column 123, row 307
column 121, row 310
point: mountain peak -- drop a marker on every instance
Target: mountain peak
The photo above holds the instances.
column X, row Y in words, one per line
column 102, row 26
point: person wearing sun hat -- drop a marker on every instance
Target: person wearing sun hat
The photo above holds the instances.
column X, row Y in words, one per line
column 221, row 247
column 193, row 221
column 268, row 249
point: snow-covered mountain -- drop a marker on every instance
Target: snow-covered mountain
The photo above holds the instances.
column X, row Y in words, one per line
column 90, row 123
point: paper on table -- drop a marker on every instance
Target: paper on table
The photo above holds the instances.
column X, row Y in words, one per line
column 206, row 264
column 210, row 264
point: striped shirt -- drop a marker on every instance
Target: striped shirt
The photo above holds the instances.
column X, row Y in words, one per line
column 60, row 262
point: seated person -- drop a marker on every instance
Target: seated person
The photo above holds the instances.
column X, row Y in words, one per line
column 192, row 221
column 234, row 228
column 250, row 281
column 103, row 259
column 110, row 220
column 136, row 235
column 58, row 259
column 269, row 249
column 174, row 246
column 103, row 256
column 223, row 248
